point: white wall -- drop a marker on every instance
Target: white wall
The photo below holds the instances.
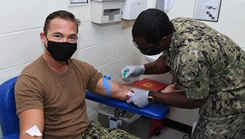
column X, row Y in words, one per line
column 102, row 46
column 231, row 20
column 108, row 48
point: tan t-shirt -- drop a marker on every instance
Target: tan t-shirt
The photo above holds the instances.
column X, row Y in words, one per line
column 60, row 96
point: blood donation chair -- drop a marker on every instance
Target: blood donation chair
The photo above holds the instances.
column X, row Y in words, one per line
column 10, row 123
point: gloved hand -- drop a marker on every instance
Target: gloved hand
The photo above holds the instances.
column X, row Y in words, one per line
column 130, row 71
column 139, row 98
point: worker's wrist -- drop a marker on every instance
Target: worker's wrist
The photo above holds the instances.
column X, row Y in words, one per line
column 150, row 96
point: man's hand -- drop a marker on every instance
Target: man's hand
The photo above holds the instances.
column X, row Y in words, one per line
column 131, row 71
column 172, row 89
column 139, row 97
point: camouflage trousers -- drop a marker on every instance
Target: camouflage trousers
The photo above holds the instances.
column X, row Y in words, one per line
column 224, row 127
column 96, row 131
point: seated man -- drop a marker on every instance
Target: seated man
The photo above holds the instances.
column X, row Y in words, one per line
column 50, row 92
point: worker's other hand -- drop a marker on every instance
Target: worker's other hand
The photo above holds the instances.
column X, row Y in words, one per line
column 172, row 89
column 131, row 71
column 139, row 97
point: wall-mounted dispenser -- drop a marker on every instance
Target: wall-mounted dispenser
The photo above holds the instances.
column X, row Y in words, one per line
column 106, row 11
column 164, row 5
column 132, row 8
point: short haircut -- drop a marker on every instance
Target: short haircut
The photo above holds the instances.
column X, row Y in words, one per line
column 60, row 14
column 152, row 24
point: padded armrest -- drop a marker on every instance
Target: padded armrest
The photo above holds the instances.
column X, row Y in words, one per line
column 11, row 136
column 153, row 110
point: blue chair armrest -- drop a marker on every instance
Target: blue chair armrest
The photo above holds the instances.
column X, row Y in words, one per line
column 12, row 136
column 153, row 110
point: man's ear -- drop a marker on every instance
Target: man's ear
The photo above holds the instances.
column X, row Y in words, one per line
column 42, row 37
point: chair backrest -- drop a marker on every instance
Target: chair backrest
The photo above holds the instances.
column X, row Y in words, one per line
column 8, row 119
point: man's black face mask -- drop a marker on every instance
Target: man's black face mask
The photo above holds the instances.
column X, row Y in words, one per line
column 61, row 51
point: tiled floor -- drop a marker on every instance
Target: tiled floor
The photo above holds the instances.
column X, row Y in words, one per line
column 169, row 133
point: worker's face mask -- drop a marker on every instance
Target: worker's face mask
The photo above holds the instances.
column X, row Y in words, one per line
column 61, row 51
column 153, row 51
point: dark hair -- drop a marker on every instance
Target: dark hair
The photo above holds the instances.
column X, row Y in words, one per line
column 60, row 14
column 152, row 24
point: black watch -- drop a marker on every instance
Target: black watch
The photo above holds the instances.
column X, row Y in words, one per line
column 150, row 97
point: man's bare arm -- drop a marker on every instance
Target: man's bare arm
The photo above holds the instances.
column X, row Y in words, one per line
column 28, row 119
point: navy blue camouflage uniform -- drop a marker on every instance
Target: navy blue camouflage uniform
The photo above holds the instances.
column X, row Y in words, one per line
column 208, row 64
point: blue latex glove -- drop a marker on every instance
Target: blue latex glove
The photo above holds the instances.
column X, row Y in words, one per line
column 131, row 71
column 139, row 97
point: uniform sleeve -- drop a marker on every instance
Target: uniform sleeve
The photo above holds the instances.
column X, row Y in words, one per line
column 28, row 94
column 192, row 72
